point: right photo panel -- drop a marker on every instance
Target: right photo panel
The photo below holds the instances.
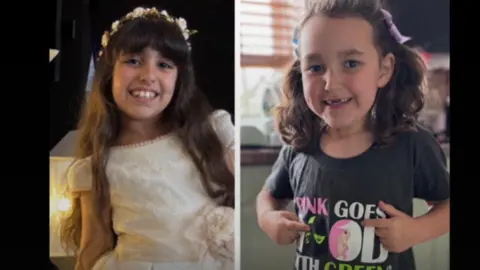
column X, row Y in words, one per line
column 344, row 133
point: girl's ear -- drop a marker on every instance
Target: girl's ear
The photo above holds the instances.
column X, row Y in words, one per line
column 387, row 66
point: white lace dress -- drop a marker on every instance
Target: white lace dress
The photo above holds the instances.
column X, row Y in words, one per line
column 163, row 217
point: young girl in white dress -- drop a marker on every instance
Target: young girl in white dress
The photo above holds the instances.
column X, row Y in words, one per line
column 153, row 184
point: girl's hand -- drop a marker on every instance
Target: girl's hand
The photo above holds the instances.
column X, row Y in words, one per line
column 397, row 232
column 283, row 227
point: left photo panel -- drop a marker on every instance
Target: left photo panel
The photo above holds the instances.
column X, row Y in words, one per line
column 142, row 135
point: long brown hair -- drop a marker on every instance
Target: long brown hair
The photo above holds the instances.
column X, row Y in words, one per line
column 396, row 105
column 187, row 114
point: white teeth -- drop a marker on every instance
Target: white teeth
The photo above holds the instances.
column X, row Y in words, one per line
column 144, row 94
column 338, row 101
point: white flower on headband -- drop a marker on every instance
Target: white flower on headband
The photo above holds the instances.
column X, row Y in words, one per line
column 182, row 23
column 115, row 25
column 164, row 13
column 105, row 39
column 143, row 12
column 138, row 12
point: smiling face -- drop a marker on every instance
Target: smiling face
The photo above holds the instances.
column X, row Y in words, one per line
column 143, row 84
column 341, row 69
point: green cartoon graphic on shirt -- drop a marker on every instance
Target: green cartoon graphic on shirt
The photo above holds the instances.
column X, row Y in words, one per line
column 317, row 237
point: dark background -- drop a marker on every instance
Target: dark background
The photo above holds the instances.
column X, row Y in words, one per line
column 212, row 50
column 426, row 21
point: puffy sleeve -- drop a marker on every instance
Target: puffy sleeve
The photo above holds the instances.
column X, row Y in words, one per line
column 222, row 124
column 79, row 176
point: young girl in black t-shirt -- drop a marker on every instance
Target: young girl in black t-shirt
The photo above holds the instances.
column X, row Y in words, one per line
column 355, row 157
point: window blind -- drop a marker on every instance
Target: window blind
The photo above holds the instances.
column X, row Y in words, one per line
column 266, row 29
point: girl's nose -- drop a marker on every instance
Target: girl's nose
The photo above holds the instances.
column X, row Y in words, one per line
column 148, row 73
column 331, row 80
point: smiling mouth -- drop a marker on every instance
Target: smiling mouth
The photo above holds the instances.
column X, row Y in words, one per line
column 336, row 102
column 141, row 94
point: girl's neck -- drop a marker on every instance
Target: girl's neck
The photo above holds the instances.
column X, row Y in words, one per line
column 346, row 142
column 347, row 132
column 134, row 132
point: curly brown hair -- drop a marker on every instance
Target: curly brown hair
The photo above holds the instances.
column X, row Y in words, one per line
column 396, row 105
column 187, row 114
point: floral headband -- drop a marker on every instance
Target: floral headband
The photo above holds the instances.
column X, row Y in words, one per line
column 144, row 12
column 401, row 39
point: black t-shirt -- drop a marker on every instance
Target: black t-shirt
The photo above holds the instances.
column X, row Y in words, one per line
column 335, row 195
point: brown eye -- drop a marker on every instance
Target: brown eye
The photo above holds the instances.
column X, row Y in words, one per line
column 132, row 61
column 164, row 65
